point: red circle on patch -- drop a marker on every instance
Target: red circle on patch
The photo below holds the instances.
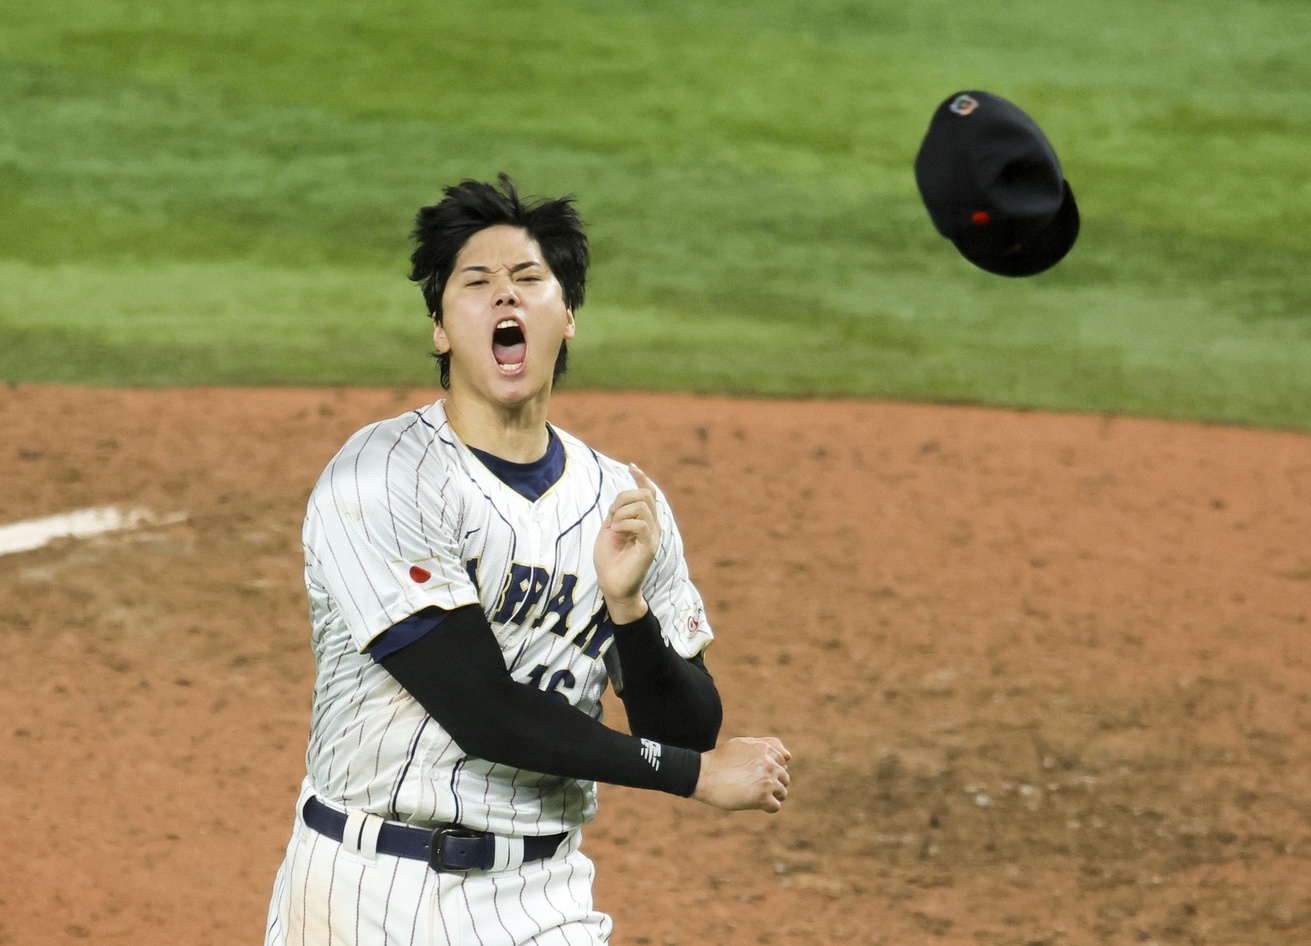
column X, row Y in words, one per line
column 981, row 217
column 419, row 574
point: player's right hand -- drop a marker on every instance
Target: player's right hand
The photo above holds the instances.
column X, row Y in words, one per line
column 745, row 773
column 625, row 548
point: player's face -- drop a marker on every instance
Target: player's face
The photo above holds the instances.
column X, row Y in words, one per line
column 503, row 318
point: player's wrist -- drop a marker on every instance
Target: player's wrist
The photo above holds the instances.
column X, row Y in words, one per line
column 627, row 610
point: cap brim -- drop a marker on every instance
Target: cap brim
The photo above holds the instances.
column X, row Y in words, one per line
column 1041, row 251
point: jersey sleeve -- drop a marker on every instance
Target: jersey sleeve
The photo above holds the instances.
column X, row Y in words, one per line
column 671, row 595
column 381, row 534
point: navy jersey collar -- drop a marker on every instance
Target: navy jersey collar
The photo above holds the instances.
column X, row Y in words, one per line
column 530, row 480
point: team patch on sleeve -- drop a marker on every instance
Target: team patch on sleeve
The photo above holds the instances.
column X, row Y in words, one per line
column 691, row 629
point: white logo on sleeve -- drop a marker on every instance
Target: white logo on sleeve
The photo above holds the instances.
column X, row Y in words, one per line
column 651, row 752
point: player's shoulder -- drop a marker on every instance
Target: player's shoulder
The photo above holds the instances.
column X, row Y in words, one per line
column 611, row 476
column 390, row 447
column 601, row 466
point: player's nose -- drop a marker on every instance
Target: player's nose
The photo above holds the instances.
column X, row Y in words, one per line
column 506, row 295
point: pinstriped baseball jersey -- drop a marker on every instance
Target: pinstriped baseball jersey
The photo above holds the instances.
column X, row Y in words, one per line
column 406, row 517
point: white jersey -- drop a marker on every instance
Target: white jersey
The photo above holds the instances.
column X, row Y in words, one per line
column 406, row 517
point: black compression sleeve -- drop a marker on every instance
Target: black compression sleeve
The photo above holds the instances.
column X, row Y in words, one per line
column 667, row 697
column 457, row 673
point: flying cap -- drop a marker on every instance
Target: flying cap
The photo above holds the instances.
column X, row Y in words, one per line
column 994, row 187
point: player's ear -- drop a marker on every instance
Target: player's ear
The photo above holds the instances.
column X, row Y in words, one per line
column 569, row 326
column 439, row 337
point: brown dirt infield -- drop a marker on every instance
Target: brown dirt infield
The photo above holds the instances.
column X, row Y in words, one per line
column 1046, row 677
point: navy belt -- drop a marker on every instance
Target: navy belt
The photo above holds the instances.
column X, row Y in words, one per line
column 446, row 848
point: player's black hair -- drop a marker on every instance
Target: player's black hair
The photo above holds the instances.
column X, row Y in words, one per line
column 442, row 229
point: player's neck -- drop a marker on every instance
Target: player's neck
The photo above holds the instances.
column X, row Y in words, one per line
column 517, row 433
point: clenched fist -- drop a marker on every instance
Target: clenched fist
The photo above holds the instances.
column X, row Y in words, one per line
column 745, row 773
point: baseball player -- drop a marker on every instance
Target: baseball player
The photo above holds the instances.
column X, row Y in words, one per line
column 476, row 579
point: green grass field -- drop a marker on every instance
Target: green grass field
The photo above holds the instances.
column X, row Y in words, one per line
column 221, row 192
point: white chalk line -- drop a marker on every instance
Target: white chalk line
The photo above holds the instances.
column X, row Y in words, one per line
column 79, row 524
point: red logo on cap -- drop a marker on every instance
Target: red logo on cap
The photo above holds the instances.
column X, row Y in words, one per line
column 980, row 217
column 420, row 575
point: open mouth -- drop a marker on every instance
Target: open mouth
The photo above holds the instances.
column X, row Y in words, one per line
column 509, row 344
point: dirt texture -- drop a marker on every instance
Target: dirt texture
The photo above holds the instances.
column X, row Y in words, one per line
column 1046, row 678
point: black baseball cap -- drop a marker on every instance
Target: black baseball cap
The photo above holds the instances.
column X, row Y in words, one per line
column 994, row 187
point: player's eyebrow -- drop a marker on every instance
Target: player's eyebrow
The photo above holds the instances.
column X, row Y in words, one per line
column 476, row 268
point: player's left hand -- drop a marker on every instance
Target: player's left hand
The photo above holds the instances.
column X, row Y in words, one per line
column 626, row 547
